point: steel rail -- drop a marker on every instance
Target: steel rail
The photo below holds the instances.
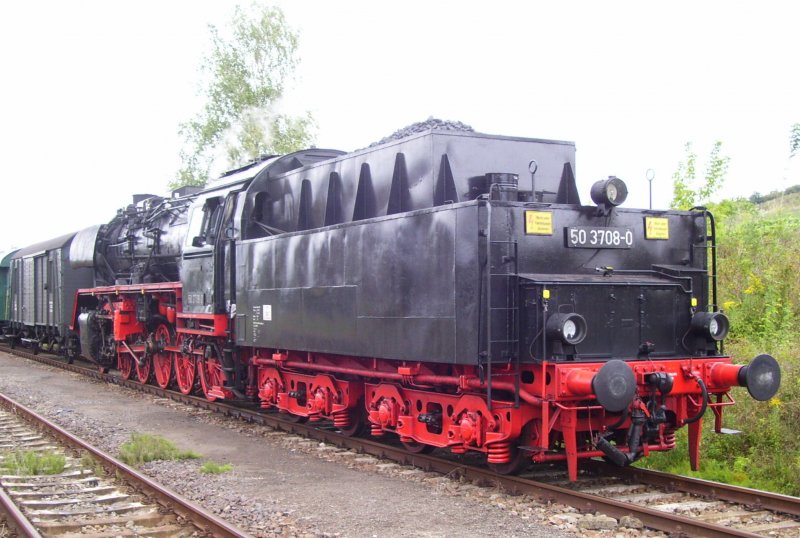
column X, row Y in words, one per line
column 198, row 516
column 15, row 518
column 755, row 498
column 542, row 491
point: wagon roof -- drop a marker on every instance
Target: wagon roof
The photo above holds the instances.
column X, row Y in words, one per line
column 50, row 244
column 5, row 257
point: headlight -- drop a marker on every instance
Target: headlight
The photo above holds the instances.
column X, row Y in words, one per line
column 609, row 192
column 569, row 328
column 713, row 325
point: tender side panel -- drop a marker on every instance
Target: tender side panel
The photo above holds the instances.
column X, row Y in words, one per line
column 389, row 288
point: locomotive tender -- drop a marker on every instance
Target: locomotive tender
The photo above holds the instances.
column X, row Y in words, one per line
column 448, row 287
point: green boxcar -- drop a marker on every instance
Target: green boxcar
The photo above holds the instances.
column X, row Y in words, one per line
column 5, row 264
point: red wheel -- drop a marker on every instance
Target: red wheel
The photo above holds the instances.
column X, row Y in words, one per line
column 185, row 368
column 124, row 364
column 210, row 371
column 162, row 359
column 145, row 370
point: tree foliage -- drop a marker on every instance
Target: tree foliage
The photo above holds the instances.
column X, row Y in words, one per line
column 794, row 140
column 687, row 190
column 245, row 75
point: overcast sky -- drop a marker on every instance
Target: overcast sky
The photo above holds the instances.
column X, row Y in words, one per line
column 92, row 93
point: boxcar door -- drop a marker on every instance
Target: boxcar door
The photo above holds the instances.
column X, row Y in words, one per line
column 39, row 289
column 52, row 287
column 28, row 296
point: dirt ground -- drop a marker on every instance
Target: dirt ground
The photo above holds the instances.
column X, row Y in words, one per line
column 281, row 485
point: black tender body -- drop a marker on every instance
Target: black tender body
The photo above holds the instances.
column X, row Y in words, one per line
column 383, row 253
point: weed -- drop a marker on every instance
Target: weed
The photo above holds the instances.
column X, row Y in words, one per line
column 215, row 468
column 28, row 462
column 88, row 462
column 144, row 447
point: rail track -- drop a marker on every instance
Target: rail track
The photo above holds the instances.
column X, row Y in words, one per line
column 94, row 496
column 670, row 503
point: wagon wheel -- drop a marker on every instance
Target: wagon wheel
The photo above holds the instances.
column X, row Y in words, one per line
column 124, row 364
column 72, row 346
column 210, row 370
column 185, row 367
column 162, row 359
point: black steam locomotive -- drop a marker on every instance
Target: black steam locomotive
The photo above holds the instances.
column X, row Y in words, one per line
column 448, row 287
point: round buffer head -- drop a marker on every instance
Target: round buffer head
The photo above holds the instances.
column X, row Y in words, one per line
column 614, row 386
column 762, row 377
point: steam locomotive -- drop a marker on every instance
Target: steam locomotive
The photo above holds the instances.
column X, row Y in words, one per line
column 448, row 288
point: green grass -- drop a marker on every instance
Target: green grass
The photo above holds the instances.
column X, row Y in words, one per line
column 88, row 462
column 144, row 447
column 28, row 462
column 215, row 468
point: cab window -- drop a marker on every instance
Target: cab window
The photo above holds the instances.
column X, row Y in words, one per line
column 203, row 230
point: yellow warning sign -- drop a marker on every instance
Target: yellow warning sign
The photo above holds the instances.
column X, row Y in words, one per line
column 656, row 228
column 538, row 223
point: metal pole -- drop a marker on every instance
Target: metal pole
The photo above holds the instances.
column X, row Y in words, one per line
column 651, row 174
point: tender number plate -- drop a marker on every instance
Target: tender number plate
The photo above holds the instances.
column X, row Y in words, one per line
column 591, row 237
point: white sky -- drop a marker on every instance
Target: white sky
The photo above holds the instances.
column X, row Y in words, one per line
column 92, row 93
